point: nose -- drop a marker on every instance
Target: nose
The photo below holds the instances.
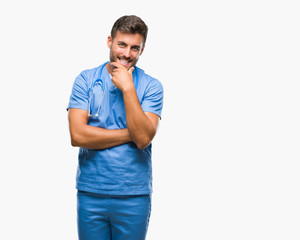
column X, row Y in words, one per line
column 127, row 52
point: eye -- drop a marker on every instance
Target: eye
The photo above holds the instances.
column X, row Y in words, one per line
column 122, row 44
column 136, row 48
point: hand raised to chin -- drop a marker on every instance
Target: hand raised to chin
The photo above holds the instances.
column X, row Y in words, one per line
column 121, row 77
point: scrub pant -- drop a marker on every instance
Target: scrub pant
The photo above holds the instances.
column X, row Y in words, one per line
column 106, row 217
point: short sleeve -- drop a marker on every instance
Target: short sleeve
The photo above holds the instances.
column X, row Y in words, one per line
column 79, row 95
column 153, row 99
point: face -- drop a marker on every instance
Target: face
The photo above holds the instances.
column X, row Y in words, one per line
column 125, row 48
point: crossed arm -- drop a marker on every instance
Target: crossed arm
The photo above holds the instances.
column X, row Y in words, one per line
column 141, row 126
column 84, row 135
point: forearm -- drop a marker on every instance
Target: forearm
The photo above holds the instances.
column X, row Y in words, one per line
column 84, row 135
column 140, row 127
column 98, row 138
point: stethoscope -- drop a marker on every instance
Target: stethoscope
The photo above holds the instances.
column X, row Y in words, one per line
column 100, row 81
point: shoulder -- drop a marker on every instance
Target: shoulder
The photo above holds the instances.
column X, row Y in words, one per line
column 90, row 74
column 148, row 82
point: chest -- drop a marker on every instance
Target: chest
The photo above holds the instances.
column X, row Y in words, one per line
column 110, row 107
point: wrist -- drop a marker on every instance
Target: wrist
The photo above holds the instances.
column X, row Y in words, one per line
column 128, row 88
column 126, row 134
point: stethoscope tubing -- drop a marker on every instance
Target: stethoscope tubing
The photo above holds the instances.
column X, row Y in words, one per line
column 91, row 92
column 102, row 93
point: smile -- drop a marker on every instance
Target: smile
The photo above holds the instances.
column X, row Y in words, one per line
column 124, row 61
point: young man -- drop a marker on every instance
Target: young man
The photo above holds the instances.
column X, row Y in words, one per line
column 114, row 111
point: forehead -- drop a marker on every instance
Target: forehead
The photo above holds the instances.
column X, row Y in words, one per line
column 129, row 38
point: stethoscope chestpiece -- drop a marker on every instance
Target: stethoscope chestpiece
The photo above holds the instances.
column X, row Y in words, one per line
column 90, row 115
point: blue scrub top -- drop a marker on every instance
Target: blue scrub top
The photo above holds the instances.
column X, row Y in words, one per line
column 124, row 169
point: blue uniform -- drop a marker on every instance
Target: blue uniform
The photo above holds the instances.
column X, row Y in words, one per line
column 109, row 217
column 121, row 170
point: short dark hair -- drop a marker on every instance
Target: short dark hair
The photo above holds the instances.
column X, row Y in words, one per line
column 130, row 24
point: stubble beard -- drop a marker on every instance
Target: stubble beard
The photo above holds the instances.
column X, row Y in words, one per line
column 112, row 58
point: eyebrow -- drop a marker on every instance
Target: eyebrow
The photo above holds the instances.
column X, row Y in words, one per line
column 134, row 46
column 121, row 42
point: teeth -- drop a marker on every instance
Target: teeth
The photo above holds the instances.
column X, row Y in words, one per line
column 123, row 61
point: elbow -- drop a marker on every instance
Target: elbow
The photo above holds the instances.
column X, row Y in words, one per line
column 75, row 140
column 143, row 141
column 74, row 143
column 142, row 144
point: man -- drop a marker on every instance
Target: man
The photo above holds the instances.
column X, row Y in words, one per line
column 114, row 111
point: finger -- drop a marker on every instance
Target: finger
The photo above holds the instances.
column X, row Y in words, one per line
column 115, row 71
column 131, row 70
column 117, row 65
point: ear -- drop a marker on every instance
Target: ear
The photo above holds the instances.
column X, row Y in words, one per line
column 142, row 50
column 109, row 41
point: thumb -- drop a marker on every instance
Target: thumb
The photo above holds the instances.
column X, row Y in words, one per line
column 131, row 70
